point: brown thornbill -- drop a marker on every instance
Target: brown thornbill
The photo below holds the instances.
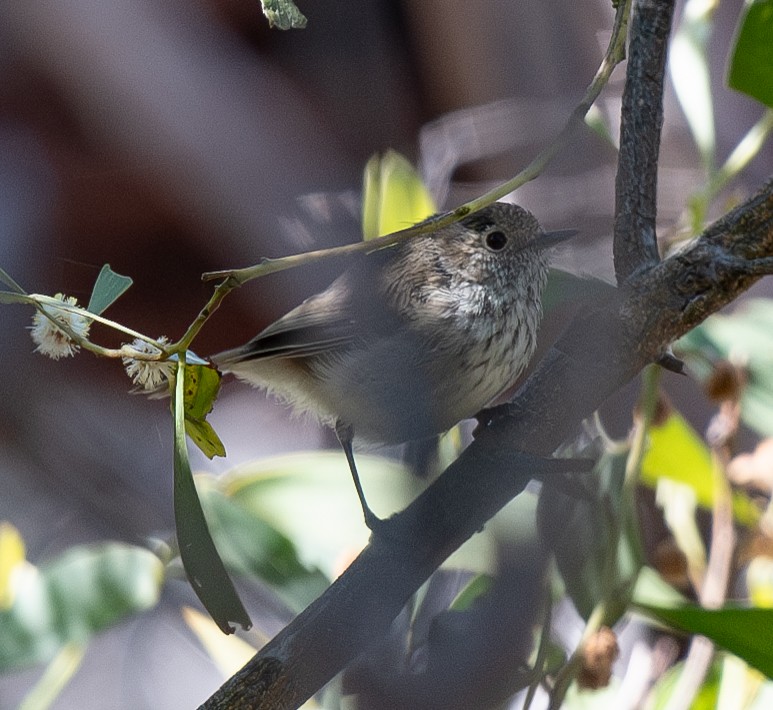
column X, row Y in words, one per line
column 413, row 338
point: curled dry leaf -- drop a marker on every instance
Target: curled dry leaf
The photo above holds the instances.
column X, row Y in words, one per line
column 598, row 655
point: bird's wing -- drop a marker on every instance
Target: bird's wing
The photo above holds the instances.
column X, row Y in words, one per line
column 321, row 323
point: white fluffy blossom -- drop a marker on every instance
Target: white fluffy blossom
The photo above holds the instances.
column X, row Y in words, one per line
column 50, row 339
column 148, row 374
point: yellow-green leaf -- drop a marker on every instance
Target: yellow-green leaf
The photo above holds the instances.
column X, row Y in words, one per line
column 201, row 387
column 202, row 384
column 394, row 197
column 12, row 553
column 204, row 436
column 6, row 279
column 678, row 453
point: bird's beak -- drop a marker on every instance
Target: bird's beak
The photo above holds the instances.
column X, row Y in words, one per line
column 551, row 239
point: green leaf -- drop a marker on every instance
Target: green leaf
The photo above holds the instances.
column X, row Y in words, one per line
column 13, row 297
column 652, row 589
column 73, row 597
column 751, row 64
column 477, row 587
column 597, row 122
column 309, row 498
column 676, row 452
column 205, row 437
column 736, row 629
column 202, row 564
column 107, row 289
column 202, row 384
column 283, row 14
column 394, row 197
column 688, row 63
column 596, row 551
column 252, row 546
column 5, row 278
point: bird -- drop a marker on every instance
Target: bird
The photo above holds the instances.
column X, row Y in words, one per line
column 411, row 339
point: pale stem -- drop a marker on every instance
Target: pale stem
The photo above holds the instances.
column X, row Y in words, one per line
column 614, row 55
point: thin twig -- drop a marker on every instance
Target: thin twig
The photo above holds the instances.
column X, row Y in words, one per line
column 571, row 668
column 47, row 307
column 613, row 56
column 543, row 647
column 691, row 218
column 221, row 291
column 747, row 149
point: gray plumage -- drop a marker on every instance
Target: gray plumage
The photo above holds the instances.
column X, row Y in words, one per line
column 411, row 339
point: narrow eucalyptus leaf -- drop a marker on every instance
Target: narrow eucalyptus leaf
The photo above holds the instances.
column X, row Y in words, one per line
column 12, row 297
column 736, row 629
column 200, row 558
column 107, row 289
column 6, row 278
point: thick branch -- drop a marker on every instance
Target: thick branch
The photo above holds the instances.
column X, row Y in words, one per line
column 635, row 244
column 597, row 355
column 602, row 351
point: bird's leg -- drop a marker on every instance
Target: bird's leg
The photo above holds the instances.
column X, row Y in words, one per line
column 345, row 434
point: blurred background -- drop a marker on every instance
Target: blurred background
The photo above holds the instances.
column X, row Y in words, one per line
column 169, row 138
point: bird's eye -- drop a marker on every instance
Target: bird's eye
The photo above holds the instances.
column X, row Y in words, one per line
column 496, row 241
